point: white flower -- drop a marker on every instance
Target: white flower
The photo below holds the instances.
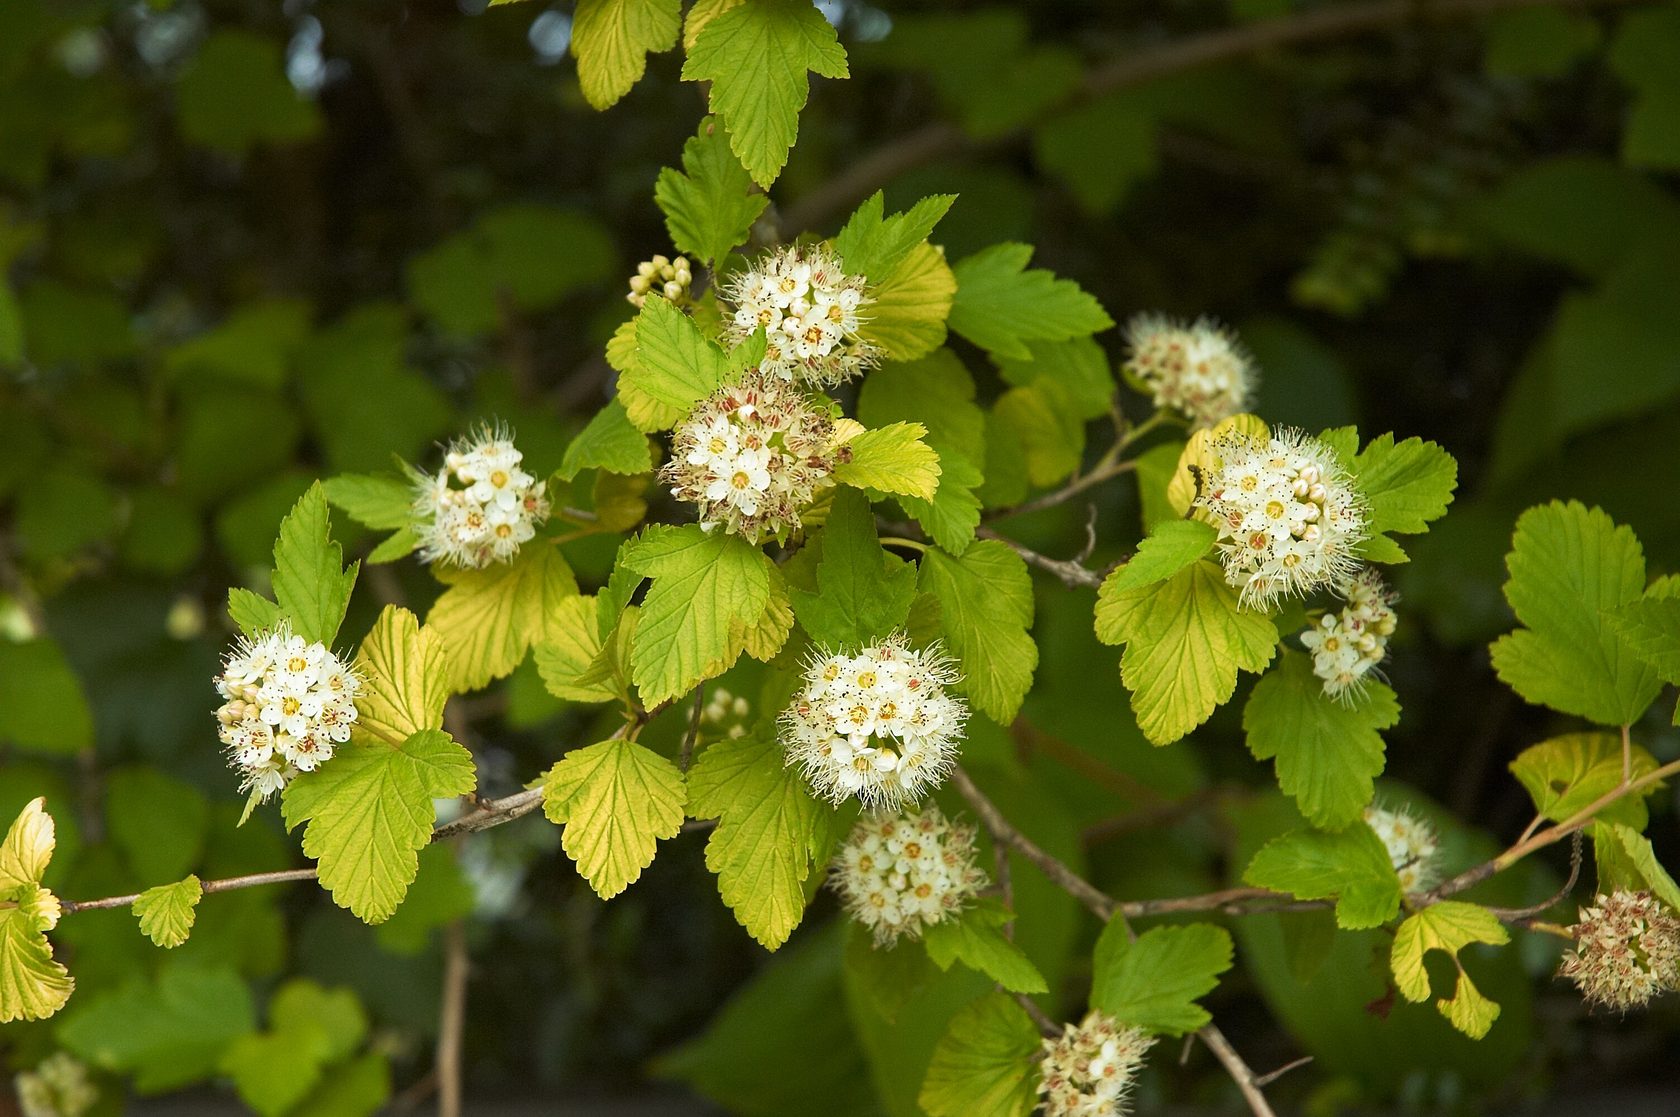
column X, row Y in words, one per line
column 1287, row 514
column 809, row 310
column 897, row 874
column 1627, row 950
column 670, row 279
column 752, row 455
column 1088, row 1071
column 495, row 510
column 1413, row 848
column 878, row 725
column 1347, row 645
column 59, row 1086
column 288, row 703
column 1197, row 369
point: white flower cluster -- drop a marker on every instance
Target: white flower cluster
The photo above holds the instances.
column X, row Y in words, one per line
column 897, row 874
column 1346, row 645
column 1287, row 514
column 289, row 703
column 752, row 455
column 59, row 1086
column 1088, row 1071
column 808, row 308
column 660, row 276
column 1627, row 950
column 726, row 714
column 496, row 509
column 1198, row 370
column 1413, row 848
column 878, row 725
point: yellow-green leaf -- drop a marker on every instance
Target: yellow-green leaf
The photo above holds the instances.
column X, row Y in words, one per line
column 892, row 459
column 489, row 618
column 167, row 912
column 405, row 677
column 616, row 799
column 612, row 39
column 1448, row 926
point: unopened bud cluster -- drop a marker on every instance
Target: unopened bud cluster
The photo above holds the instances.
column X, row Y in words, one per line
column 1627, row 950
column 726, row 714
column 481, row 507
column 59, row 1086
column 661, row 276
column 900, row 873
column 1198, row 369
column 1347, row 644
column 1088, row 1071
column 809, row 310
column 1287, row 514
column 1413, row 847
column 878, row 725
column 289, row 703
column 752, row 455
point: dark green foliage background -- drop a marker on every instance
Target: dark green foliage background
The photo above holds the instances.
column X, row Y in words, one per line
column 215, row 289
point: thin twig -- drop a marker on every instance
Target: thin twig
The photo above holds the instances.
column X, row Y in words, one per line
column 1523, row 915
column 451, row 1019
column 1073, row 572
column 1102, row 471
column 1241, row 1073
column 1267, row 1079
column 999, row 827
column 1046, row 1026
column 227, row 885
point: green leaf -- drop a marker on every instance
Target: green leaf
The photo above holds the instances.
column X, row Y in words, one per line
column 892, row 460
column 907, row 318
column 986, row 1065
column 42, row 707
column 863, row 593
column 1650, row 627
column 1155, row 981
column 1078, row 367
column 616, row 799
column 675, row 367
column 1353, row 866
column 1568, row 774
column 157, row 820
column 770, row 833
column 1168, row 549
column 1627, row 855
column 235, row 95
column 399, row 544
column 374, row 500
column 441, row 893
column 986, row 607
column 359, row 1088
column 953, row 514
column 1450, row 926
column 251, row 611
column 1328, row 753
column 706, row 587
column 1405, row 485
column 309, row 1028
column 1000, row 306
column 369, row 811
column 1185, row 641
column 165, row 1034
column 311, row 585
column 1045, row 422
column 570, row 659
column 489, row 618
column 975, row 938
column 610, row 442
column 612, row 39
column 32, row 985
column 167, row 912
column 874, row 246
column 1569, row 567
column 756, row 57
column 710, row 209
column 405, row 677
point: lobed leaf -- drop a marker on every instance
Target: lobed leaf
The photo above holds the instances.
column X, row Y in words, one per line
column 986, row 608
column 167, row 912
column 615, row 799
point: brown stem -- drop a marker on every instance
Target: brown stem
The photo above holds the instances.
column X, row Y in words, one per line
column 1101, row 472
column 228, row 885
column 1072, row 572
column 1241, row 1073
column 1004, row 833
column 451, row 1018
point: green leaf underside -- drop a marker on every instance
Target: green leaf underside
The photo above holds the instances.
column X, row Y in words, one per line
column 986, row 1065
column 873, row 246
column 986, row 608
column 675, row 366
column 611, row 443
column 1155, row 981
column 615, row 799
column 1651, row 628
column 166, row 913
column 1448, row 926
column 373, row 500
column 1168, row 549
column 1626, row 859
column 1353, row 866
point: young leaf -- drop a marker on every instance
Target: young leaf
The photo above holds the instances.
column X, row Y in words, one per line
column 1353, row 866
column 405, row 677
column 1569, row 567
column 374, row 500
column 612, row 39
column 704, row 584
column 615, row 800
column 892, row 460
column 1328, row 753
column 863, row 592
column 1048, row 428
column 986, row 607
column 974, row 938
column 369, row 811
column 1169, row 548
column 399, row 544
column 675, row 367
column 1155, row 981
column 166, row 913
column 769, row 836
column 251, row 611
column 1185, row 641
column 1000, row 306
column 1626, row 859
column 1406, row 485
column 1450, row 926
column 610, row 442
column 756, row 57
column 311, row 585
column 986, row 1064
column 1569, row 773
column 567, row 659
column 874, row 246
column 711, row 208
column 907, row 319
column 32, row 985
column 488, row 618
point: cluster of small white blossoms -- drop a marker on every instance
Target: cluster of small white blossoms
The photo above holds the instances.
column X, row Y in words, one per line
column 58, row 1087
column 1199, row 369
column 1413, row 848
column 808, row 308
column 1088, row 1071
column 1627, row 950
column 1346, row 645
column 726, row 714
column 661, row 276
column 899, row 873
column 752, row 455
column 496, row 509
column 878, row 725
column 288, row 704
column 1287, row 514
